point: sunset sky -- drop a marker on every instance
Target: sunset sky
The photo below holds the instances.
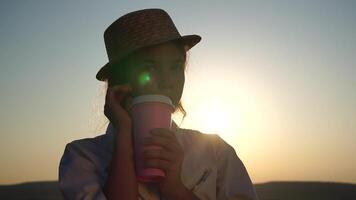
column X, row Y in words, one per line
column 275, row 79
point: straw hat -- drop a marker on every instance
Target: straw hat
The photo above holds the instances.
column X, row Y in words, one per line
column 140, row 29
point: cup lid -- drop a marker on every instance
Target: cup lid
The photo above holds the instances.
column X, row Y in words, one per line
column 152, row 98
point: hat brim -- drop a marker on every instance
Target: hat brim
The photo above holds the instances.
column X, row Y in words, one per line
column 188, row 41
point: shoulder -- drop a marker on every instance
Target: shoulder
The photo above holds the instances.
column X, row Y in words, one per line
column 82, row 169
column 94, row 150
column 203, row 141
column 211, row 148
column 89, row 144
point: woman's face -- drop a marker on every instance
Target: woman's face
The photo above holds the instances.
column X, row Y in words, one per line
column 158, row 70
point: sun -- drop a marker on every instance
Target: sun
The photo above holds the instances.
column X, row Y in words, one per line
column 216, row 117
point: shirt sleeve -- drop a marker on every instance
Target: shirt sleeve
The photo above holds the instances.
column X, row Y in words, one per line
column 233, row 182
column 77, row 176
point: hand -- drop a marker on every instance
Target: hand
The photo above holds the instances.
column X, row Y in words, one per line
column 113, row 109
column 168, row 158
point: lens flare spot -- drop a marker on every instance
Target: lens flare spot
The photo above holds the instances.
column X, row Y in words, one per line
column 144, row 78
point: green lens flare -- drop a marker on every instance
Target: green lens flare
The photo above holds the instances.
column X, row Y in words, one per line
column 144, row 78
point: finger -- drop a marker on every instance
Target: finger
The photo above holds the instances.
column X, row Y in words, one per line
column 157, row 163
column 157, row 154
column 163, row 132
column 160, row 141
column 128, row 102
column 117, row 92
column 120, row 89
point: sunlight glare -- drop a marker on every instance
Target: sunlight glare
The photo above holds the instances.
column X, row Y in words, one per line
column 218, row 117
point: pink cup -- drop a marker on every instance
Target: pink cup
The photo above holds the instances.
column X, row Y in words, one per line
column 149, row 112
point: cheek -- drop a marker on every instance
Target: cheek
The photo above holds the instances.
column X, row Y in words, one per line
column 180, row 80
column 179, row 86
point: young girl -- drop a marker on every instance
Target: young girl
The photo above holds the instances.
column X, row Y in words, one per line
column 147, row 55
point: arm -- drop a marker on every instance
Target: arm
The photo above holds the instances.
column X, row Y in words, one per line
column 186, row 194
column 121, row 182
column 169, row 158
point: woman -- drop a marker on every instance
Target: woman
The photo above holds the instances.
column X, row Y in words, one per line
column 147, row 55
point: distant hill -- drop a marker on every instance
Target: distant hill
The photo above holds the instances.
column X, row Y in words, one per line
column 306, row 191
column 266, row 191
column 41, row 190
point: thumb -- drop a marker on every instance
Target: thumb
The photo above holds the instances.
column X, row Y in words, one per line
column 128, row 102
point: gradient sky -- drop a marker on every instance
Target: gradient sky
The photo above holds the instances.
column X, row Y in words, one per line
column 277, row 78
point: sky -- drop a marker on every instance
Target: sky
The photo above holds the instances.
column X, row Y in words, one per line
column 275, row 79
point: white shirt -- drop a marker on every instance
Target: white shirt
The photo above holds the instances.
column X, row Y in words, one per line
column 211, row 168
